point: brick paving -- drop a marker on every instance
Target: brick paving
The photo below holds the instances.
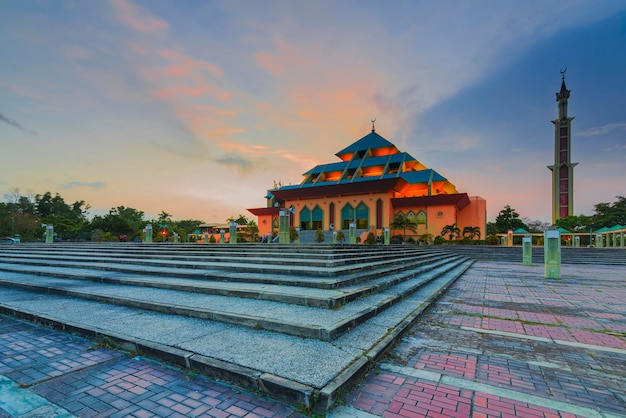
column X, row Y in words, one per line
column 505, row 342
column 502, row 342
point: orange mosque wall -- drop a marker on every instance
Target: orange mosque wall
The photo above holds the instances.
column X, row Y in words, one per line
column 438, row 216
column 475, row 214
column 265, row 224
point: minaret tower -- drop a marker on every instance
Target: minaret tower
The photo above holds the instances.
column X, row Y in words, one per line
column 563, row 168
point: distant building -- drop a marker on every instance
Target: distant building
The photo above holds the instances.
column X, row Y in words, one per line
column 563, row 168
column 371, row 183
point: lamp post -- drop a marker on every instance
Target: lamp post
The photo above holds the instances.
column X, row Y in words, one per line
column 591, row 234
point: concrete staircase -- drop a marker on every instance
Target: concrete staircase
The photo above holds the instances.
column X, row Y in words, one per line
column 569, row 255
column 297, row 322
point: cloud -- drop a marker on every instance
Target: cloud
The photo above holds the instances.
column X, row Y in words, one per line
column 603, row 129
column 15, row 124
column 96, row 185
column 616, row 147
column 137, row 18
column 186, row 65
column 243, row 165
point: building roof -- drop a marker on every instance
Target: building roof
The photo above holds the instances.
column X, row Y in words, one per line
column 371, row 164
column 369, row 141
column 265, row 211
column 334, row 189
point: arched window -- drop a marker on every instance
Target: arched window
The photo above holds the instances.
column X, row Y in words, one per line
column 347, row 216
column 317, row 217
column 305, row 219
column 362, row 216
column 331, row 215
column 411, row 216
column 421, row 218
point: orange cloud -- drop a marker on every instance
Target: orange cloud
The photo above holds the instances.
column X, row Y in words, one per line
column 186, row 65
column 137, row 18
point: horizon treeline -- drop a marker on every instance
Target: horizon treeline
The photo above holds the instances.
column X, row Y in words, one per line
column 24, row 214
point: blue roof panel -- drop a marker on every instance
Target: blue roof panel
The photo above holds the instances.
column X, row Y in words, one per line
column 422, row 176
column 371, row 140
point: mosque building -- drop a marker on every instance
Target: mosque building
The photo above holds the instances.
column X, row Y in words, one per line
column 371, row 183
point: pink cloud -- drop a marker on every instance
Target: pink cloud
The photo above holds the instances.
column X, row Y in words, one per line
column 186, row 65
column 269, row 63
column 137, row 18
column 287, row 60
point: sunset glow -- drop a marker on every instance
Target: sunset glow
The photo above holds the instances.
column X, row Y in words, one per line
column 197, row 108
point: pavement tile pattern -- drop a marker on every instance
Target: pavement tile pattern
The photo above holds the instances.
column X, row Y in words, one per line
column 502, row 342
column 561, row 341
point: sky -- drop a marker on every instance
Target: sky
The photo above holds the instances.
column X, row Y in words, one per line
column 197, row 108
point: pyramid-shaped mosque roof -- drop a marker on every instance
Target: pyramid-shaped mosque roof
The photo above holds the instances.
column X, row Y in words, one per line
column 370, row 141
column 373, row 163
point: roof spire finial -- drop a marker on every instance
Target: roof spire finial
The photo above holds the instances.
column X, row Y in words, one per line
column 373, row 128
column 563, row 70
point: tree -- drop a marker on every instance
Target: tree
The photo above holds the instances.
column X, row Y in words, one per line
column 165, row 222
column 252, row 230
column 507, row 220
column 401, row 221
column 471, row 231
column 18, row 216
column 575, row 223
column 240, row 220
column 319, row 236
column 536, row 225
column 69, row 221
column 340, row 237
column 451, row 230
column 427, row 238
column 610, row 214
column 491, row 228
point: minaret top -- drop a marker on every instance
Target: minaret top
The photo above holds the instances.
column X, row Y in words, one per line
column 564, row 93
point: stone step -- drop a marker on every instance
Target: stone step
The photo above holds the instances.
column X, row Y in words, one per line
column 357, row 270
column 274, row 251
column 285, row 290
column 569, row 255
column 304, row 321
column 220, row 260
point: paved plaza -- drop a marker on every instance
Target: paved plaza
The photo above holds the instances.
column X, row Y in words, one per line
column 503, row 341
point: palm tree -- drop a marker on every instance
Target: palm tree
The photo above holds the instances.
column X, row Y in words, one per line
column 451, row 230
column 401, row 221
column 427, row 238
column 240, row 220
column 471, row 231
column 165, row 219
column 252, row 230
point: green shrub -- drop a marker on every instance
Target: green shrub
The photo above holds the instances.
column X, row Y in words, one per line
column 492, row 240
column 439, row 240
